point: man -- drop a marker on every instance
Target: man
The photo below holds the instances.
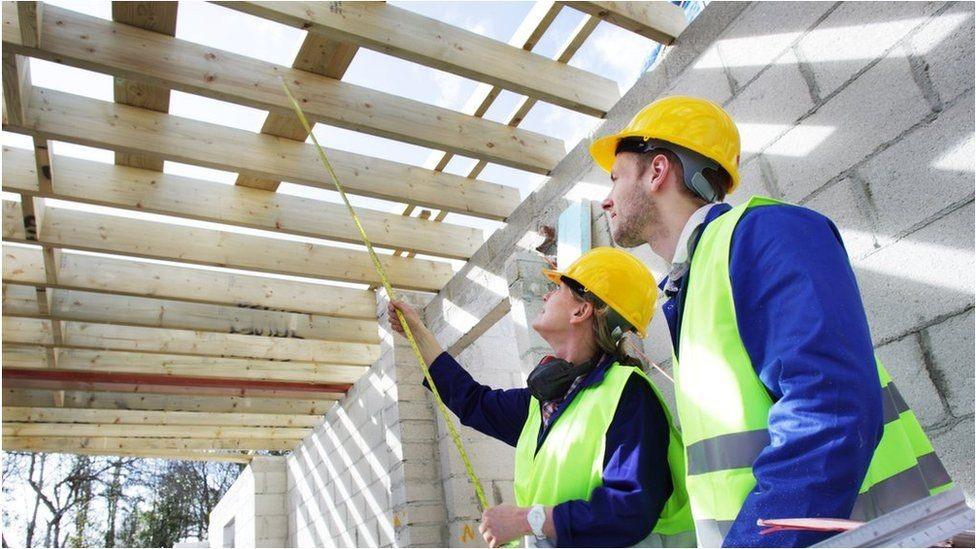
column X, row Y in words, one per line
column 784, row 410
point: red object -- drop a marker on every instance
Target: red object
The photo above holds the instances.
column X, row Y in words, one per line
column 158, row 380
column 807, row 524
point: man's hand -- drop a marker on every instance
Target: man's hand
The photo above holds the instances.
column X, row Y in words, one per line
column 503, row 523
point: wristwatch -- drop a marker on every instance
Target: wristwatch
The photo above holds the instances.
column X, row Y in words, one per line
column 537, row 518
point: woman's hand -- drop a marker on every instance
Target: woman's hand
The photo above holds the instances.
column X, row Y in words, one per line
column 503, row 523
column 426, row 342
column 409, row 313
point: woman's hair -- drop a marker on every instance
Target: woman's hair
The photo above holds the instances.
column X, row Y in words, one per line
column 626, row 348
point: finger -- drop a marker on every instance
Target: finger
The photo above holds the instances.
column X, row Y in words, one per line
column 482, row 528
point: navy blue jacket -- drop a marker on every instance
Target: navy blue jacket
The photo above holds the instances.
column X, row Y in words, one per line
column 636, row 476
column 802, row 321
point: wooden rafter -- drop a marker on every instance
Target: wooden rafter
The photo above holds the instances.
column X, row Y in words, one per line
column 33, row 357
column 320, row 55
column 66, row 228
column 120, row 276
column 156, row 17
column 68, row 117
column 659, row 21
column 149, row 401
column 23, row 414
column 402, row 33
column 145, row 444
column 21, row 301
column 144, row 190
column 87, row 335
column 133, row 53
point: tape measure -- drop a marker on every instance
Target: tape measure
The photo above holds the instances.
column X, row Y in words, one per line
column 475, row 482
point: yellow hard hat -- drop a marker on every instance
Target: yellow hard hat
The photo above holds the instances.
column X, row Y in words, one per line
column 690, row 122
column 619, row 279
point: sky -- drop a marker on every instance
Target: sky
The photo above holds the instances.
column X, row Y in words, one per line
column 610, row 51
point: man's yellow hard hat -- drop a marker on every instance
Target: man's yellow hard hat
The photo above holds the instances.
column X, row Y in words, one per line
column 618, row 278
column 690, row 122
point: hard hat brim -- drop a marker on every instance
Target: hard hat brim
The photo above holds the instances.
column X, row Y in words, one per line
column 557, row 277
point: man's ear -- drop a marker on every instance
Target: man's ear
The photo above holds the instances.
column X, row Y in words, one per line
column 581, row 312
column 656, row 173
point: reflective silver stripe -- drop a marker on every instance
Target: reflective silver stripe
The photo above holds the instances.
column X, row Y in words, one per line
column 730, row 451
column 892, row 403
column 891, row 493
column 711, row 532
column 933, row 470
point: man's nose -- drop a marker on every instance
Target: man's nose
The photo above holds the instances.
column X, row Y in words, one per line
column 607, row 203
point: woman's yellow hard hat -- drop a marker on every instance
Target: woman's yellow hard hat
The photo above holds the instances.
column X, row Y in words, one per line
column 618, row 278
column 690, row 122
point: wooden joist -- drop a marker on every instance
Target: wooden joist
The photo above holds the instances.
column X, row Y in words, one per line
column 21, row 301
column 137, row 54
column 36, row 429
column 86, row 335
column 151, row 191
column 85, row 360
column 19, row 444
column 659, row 21
column 109, row 400
column 76, row 119
column 65, row 228
column 156, row 17
column 22, row 414
column 320, row 55
column 119, row 276
column 69, row 443
column 16, row 87
column 402, row 33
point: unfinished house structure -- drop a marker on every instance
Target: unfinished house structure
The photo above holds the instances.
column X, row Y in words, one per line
column 126, row 332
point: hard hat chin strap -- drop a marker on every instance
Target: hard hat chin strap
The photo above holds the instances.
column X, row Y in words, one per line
column 693, row 165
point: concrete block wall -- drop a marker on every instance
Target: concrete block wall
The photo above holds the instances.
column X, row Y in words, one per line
column 864, row 112
column 256, row 505
column 367, row 476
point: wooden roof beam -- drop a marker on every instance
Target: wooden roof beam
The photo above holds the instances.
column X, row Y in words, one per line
column 66, row 228
column 320, row 55
column 86, row 335
column 402, row 33
column 23, row 414
column 156, row 17
column 76, row 119
column 125, row 51
column 22, row 301
column 119, row 276
column 658, row 21
column 108, row 400
column 151, row 191
column 21, row 444
column 145, row 444
column 33, row 357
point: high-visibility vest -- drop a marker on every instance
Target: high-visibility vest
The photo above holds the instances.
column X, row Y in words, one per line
column 569, row 464
column 724, row 407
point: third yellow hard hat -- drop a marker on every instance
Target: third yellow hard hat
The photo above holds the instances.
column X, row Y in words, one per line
column 619, row 279
column 690, row 122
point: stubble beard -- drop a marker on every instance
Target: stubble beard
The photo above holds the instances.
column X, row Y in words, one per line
column 631, row 227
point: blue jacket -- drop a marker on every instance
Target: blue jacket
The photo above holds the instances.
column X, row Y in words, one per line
column 803, row 324
column 636, row 476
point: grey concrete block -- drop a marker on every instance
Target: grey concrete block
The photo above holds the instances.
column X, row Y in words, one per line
column 752, row 182
column 845, row 203
column 951, row 345
column 709, row 83
column 940, row 152
column 945, row 44
column 955, row 447
column 904, row 361
column 770, row 105
column 875, row 108
column 924, row 276
column 855, row 34
column 762, row 33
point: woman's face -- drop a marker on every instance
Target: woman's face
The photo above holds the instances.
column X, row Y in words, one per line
column 558, row 307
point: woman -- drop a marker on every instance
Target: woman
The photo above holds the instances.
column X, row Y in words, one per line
column 597, row 461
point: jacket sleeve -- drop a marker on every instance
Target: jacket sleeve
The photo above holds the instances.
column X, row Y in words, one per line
column 803, row 324
column 636, row 478
column 498, row 413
